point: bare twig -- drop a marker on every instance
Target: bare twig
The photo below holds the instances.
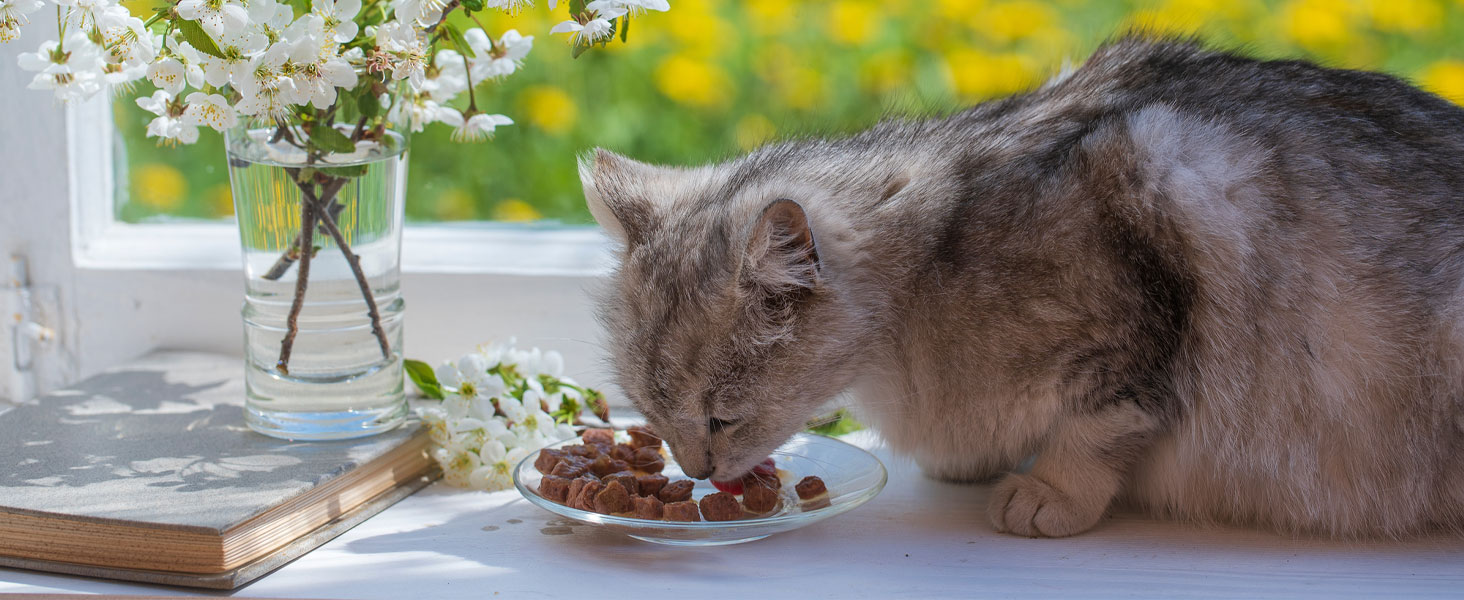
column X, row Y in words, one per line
column 307, row 237
column 355, row 262
column 283, row 263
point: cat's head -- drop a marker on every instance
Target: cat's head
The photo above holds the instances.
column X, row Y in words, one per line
column 725, row 325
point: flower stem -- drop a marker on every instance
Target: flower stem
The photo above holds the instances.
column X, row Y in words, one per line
column 355, row 262
column 468, row 73
column 307, row 237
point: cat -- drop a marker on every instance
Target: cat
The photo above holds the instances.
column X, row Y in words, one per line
column 1213, row 288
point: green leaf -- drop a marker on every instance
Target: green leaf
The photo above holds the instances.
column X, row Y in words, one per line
column 579, row 48
column 347, row 171
column 330, row 139
column 424, row 378
column 368, row 103
column 836, row 424
column 472, row 5
column 624, row 27
column 456, row 35
column 576, row 7
column 301, row 7
column 194, row 34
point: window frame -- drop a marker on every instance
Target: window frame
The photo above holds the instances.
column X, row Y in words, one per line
column 99, row 240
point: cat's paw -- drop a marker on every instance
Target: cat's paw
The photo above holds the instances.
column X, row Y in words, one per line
column 1026, row 505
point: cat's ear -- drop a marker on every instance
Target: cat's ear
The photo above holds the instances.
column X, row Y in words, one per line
column 782, row 253
column 613, row 187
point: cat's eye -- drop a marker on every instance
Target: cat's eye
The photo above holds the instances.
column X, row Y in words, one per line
column 716, row 425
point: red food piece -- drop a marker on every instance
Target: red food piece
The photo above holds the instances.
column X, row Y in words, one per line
column 765, row 472
column 647, row 507
column 682, row 511
column 721, row 506
column 642, row 437
column 676, row 491
column 554, row 488
column 650, row 484
column 759, row 499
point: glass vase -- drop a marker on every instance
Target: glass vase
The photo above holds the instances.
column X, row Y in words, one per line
column 322, row 305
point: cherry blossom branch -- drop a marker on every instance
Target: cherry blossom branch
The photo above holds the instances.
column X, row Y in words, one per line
column 355, row 262
column 292, row 325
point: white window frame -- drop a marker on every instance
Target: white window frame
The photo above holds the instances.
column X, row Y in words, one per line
column 100, row 241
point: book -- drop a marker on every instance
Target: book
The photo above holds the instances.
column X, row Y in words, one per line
column 148, row 473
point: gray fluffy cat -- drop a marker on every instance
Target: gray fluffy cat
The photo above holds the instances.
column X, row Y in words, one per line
column 1215, row 288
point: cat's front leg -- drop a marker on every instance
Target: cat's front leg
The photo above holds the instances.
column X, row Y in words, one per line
column 1076, row 476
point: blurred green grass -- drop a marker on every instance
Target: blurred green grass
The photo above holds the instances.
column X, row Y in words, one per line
column 712, row 78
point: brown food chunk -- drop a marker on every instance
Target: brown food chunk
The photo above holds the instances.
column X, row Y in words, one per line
column 626, row 478
column 676, row 491
column 810, row 487
column 576, row 487
column 647, row 507
column 721, row 506
column 768, row 481
column 681, row 511
column 605, row 465
column 548, row 457
column 554, row 488
column 613, row 499
column 586, row 498
column 759, row 498
column 570, row 467
column 599, row 437
column 642, row 437
column 650, row 484
column 648, row 459
column 583, row 451
column 622, row 452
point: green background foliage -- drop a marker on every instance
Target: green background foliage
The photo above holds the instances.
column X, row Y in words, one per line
column 712, row 78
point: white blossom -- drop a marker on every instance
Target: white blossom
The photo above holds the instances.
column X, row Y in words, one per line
column 317, row 71
column 631, row 6
column 85, row 14
column 422, row 12
column 13, row 15
column 218, row 17
column 170, row 125
column 591, row 30
column 212, row 110
column 496, row 471
column 474, row 128
column 337, row 18
column 407, row 49
column 72, row 74
column 266, row 90
column 458, row 462
column 500, row 59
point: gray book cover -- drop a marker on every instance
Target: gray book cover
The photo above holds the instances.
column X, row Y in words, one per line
column 162, row 442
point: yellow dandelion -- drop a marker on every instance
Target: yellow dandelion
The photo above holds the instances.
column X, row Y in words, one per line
column 1445, row 78
column 514, row 210
column 549, row 108
column 977, row 75
column 1318, row 24
column 770, row 17
column 753, row 130
column 853, row 22
column 1407, row 16
column 159, row 187
column 694, row 82
column 1006, row 22
column 454, row 204
column 220, row 200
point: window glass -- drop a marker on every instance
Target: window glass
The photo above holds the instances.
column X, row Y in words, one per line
column 714, row 77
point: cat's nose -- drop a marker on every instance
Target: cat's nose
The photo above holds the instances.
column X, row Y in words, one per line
column 697, row 472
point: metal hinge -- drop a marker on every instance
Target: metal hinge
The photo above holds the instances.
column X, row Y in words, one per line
column 30, row 321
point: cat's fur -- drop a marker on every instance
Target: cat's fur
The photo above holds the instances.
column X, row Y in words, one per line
column 1219, row 288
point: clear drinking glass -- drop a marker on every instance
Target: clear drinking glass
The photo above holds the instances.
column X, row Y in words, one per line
column 339, row 374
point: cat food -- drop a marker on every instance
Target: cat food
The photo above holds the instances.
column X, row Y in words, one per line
column 570, row 467
column 598, row 437
column 647, row 507
column 554, row 488
column 548, row 457
column 650, row 484
column 721, row 506
column 613, row 499
column 682, row 511
column 642, row 437
column 605, row 465
column 648, row 459
column 586, row 498
column 810, row 487
column 759, row 499
column 623, row 452
column 627, row 480
column 676, row 491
